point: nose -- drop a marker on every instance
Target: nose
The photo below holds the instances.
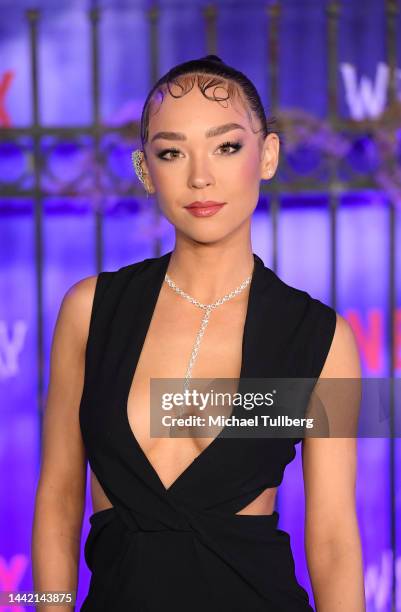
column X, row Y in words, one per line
column 200, row 177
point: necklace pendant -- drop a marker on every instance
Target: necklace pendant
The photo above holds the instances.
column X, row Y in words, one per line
column 205, row 320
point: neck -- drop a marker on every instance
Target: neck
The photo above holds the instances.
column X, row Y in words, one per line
column 208, row 272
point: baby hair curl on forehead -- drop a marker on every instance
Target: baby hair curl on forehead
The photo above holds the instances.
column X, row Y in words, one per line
column 218, row 82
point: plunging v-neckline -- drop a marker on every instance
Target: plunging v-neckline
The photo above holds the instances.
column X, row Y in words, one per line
column 134, row 365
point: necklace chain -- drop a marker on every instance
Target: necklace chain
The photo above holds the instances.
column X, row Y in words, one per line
column 218, row 302
column 205, row 320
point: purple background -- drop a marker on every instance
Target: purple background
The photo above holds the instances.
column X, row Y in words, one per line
column 69, row 226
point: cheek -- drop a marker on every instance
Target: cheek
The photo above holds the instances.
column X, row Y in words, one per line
column 246, row 188
column 247, row 184
column 161, row 176
column 248, row 171
column 170, row 180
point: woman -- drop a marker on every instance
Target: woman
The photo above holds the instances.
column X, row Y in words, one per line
column 182, row 523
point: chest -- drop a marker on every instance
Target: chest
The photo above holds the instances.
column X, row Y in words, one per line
column 166, row 353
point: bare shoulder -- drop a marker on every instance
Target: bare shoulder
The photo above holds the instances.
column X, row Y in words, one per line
column 329, row 463
column 62, row 472
column 76, row 306
column 83, row 289
column 68, row 346
column 343, row 360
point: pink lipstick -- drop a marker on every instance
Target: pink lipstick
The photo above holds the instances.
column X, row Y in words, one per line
column 204, row 209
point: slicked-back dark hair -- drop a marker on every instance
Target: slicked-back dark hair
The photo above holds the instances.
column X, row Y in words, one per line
column 209, row 72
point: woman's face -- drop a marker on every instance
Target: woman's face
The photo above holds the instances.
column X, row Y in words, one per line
column 185, row 164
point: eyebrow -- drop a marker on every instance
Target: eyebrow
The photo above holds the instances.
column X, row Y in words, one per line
column 215, row 131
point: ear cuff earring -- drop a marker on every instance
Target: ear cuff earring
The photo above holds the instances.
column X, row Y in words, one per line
column 137, row 158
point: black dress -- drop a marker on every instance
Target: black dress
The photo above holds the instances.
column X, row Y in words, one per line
column 184, row 548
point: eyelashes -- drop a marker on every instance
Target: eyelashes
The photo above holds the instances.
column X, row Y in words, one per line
column 165, row 151
column 225, row 145
column 235, row 145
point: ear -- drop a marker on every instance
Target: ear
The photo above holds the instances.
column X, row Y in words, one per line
column 269, row 156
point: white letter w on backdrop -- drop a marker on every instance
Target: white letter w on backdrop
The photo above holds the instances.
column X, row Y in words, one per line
column 365, row 99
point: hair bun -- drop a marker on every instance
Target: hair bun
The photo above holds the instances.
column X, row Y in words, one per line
column 213, row 58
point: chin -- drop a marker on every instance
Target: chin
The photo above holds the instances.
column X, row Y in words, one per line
column 208, row 235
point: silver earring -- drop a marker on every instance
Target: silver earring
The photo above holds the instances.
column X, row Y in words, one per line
column 137, row 157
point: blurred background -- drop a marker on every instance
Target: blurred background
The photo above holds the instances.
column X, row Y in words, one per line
column 73, row 78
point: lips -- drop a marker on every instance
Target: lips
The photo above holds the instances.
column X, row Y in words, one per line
column 204, row 209
column 206, row 204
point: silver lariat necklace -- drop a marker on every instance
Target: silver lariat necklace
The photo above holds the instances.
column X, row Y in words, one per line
column 205, row 320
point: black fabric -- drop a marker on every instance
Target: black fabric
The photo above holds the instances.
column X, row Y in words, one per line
column 184, row 548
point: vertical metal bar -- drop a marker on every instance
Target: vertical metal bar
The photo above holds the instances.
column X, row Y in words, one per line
column 274, row 212
column 391, row 38
column 153, row 17
column 210, row 16
column 94, row 16
column 332, row 54
column 392, row 440
column 273, row 12
column 392, row 12
column 333, row 212
column 33, row 16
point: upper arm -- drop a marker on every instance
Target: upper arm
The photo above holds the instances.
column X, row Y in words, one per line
column 63, row 459
column 329, row 464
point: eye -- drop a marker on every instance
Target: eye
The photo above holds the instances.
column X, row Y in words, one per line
column 165, row 151
column 234, row 145
column 175, row 152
